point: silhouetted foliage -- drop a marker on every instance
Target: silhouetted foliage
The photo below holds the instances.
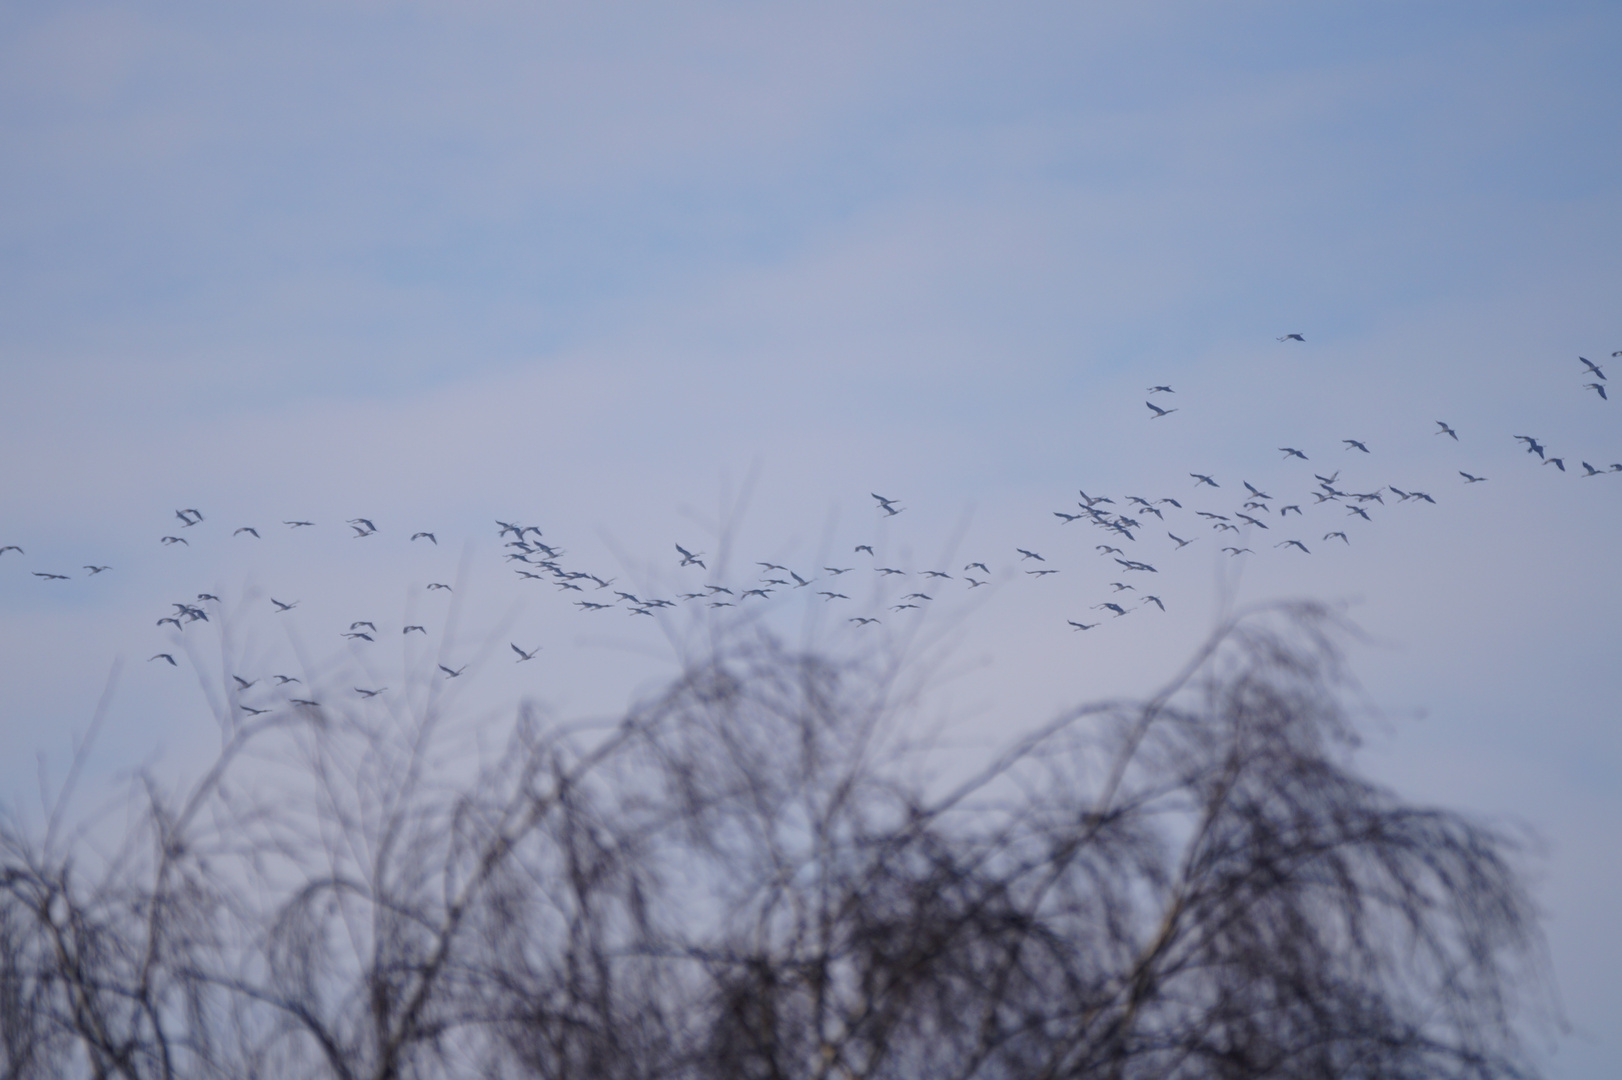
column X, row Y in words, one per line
column 746, row 877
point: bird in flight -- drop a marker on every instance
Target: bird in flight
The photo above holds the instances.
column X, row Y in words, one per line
column 1559, row 463
column 1117, row 608
column 94, row 570
column 689, row 559
column 1292, row 337
column 170, row 541
column 522, row 655
column 1161, row 390
column 1597, row 388
column 361, row 634
column 247, row 529
column 1154, row 600
column 1445, row 430
column 1181, row 543
column 12, row 547
column 370, row 693
column 1468, row 479
column 419, row 629
column 861, row 621
column 251, row 711
column 887, row 505
column 367, row 522
column 418, row 536
column 978, row 566
column 243, row 684
column 450, row 674
column 362, row 622
column 297, row 524
column 1293, row 543
column 432, row 585
column 1236, row 550
column 163, row 656
column 51, row 577
column 1081, row 626
column 1201, row 478
column 1290, row 452
column 1532, row 445
column 1029, row 555
column 1593, row 368
column 1337, row 535
column 283, row 607
column 1350, row 443
column 283, row 680
column 1041, row 573
column 1158, row 411
column 864, row 547
column 1591, row 471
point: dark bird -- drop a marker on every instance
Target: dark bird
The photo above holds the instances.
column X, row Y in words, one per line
column 973, row 582
column 94, row 570
column 765, row 565
column 1532, row 445
column 860, row 621
column 1290, row 452
column 837, row 570
column 247, row 529
column 1131, row 565
column 1117, row 608
column 1122, row 587
column 1591, row 471
column 1559, row 463
column 1105, row 549
column 718, row 588
column 799, row 582
column 305, row 702
column 12, row 547
column 522, row 655
column 1068, row 518
column 1158, row 411
column 1201, row 478
column 251, row 711
column 362, row 622
column 163, row 656
column 418, row 536
column 449, row 674
column 50, row 577
column 834, row 595
column 937, row 574
column 296, row 524
column 1337, row 535
column 172, row 540
column 1041, row 573
column 1360, row 512
column 419, row 629
column 1286, row 509
column 1468, row 479
column 1597, row 388
column 1154, row 600
column 1181, row 543
column 432, row 585
column 1253, row 521
column 887, row 505
column 1161, row 390
column 1235, row 550
column 361, row 634
column 978, row 566
column 1353, row 442
column 1256, row 493
column 1174, row 502
column 283, row 607
column 243, row 684
column 864, row 547
column 185, row 517
column 283, row 680
column 364, row 521
column 1292, row 337
column 1593, row 368
column 370, row 693
column 1081, row 626
column 1030, row 555
column 360, row 532
column 903, row 607
column 1446, row 430
column 689, row 559
column 507, row 526
column 208, row 596
column 1293, row 543
column 917, row 596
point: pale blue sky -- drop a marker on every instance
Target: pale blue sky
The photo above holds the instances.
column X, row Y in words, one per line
column 594, row 265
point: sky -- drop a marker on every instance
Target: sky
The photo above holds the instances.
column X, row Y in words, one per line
column 712, row 274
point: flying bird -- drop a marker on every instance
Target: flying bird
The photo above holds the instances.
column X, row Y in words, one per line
column 163, row 656
column 1293, row 543
column 432, row 585
column 1445, row 430
column 247, row 529
column 1468, row 479
column 860, row 621
column 362, row 622
column 1532, row 445
column 1593, row 368
column 1337, row 535
column 689, row 559
column 864, row 547
column 370, row 693
column 1597, row 388
column 1201, row 478
column 173, row 540
column 450, row 674
column 94, row 570
column 1591, row 470
column 1353, row 442
column 419, row 629
column 1158, row 411
column 522, row 655
column 50, row 577
column 1156, row 601
column 364, row 521
column 1559, row 463
column 243, row 684
column 297, row 524
column 1290, row 452
column 1081, row 626
column 1292, row 337
column 978, row 566
column 283, row 680
column 1029, row 555
column 418, row 536
column 1161, row 390
column 283, row 607
column 12, row 547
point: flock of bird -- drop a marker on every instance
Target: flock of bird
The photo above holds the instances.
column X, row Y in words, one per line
column 1132, row 534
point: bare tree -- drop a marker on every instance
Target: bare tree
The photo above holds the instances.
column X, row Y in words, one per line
column 755, row 874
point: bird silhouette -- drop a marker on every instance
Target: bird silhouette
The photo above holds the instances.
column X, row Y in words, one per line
column 1445, row 430
column 522, row 655
column 163, row 656
column 1350, row 443
column 247, row 529
column 1158, row 411
column 1292, row 337
column 431, row 537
